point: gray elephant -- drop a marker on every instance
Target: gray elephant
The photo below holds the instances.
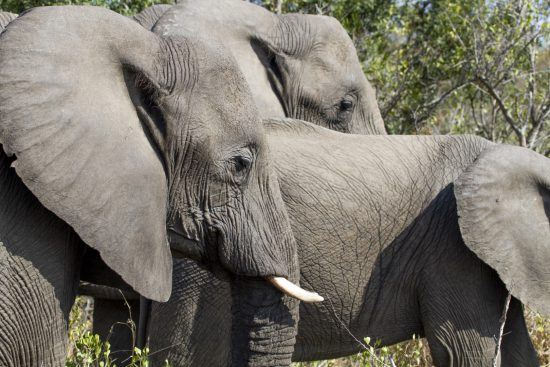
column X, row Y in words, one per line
column 299, row 66
column 402, row 235
column 120, row 147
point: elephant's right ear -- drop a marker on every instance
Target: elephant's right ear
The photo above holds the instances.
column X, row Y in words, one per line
column 280, row 45
column 503, row 202
column 67, row 116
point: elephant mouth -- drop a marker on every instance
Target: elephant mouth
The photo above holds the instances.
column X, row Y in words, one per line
column 183, row 247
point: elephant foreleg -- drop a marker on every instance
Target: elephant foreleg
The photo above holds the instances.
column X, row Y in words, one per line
column 462, row 301
column 517, row 349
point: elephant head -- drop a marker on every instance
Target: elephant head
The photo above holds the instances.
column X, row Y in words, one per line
column 300, row 66
column 142, row 143
column 315, row 70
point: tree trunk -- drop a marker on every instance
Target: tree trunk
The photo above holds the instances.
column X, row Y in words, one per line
column 279, row 6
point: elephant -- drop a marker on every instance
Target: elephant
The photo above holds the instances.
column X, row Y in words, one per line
column 121, row 148
column 297, row 65
column 6, row 18
column 402, row 235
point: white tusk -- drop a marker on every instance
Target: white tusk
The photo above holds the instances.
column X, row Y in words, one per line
column 292, row 290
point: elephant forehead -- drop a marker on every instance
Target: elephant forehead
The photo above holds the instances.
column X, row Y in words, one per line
column 330, row 33
column 222, row 93
column 325, row 76
column 228, row 120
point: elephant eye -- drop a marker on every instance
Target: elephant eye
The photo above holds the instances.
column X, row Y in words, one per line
column 242, row 163
column 240, row 166
column 346, row 105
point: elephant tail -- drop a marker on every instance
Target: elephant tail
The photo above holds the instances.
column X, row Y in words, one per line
column 503, row 202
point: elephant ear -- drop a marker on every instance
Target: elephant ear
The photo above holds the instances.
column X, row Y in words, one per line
column 503, row 202
column 67, row 116
column 281, row 43
column 6, row 18
column 149, row 17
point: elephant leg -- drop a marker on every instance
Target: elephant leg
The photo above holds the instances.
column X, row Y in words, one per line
column 33, row 319
column 517, row 348
column 111, row 323
column 461, row 303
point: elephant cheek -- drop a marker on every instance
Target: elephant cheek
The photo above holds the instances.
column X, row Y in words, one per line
column 246, row 251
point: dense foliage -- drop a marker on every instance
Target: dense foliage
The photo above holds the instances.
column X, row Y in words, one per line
column 461, row 66
column 126, row 7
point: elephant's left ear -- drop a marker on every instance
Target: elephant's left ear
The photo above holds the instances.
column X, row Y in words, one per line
column 503, row 203
column 284, row 42
column 67, row 77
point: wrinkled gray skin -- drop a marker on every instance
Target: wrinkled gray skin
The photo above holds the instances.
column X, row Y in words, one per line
column 6, row 18
column 378, row 234
column 120, row 147
column 149, row 16
column 296, row 65
column 299, row 66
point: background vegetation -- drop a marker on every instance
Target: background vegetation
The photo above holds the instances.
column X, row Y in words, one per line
column 126, row 7
column 439, row 66
column 460, row 66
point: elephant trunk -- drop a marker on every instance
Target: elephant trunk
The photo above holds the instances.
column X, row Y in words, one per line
column 264, row 324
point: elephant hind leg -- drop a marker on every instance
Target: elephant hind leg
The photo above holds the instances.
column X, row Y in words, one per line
column 517, row 349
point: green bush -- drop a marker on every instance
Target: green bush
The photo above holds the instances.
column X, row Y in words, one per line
column 88, row 350
column 126, row 7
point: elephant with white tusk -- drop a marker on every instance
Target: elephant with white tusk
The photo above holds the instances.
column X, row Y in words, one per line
column 402, row 236
column 120, row 148
column 296, row 65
